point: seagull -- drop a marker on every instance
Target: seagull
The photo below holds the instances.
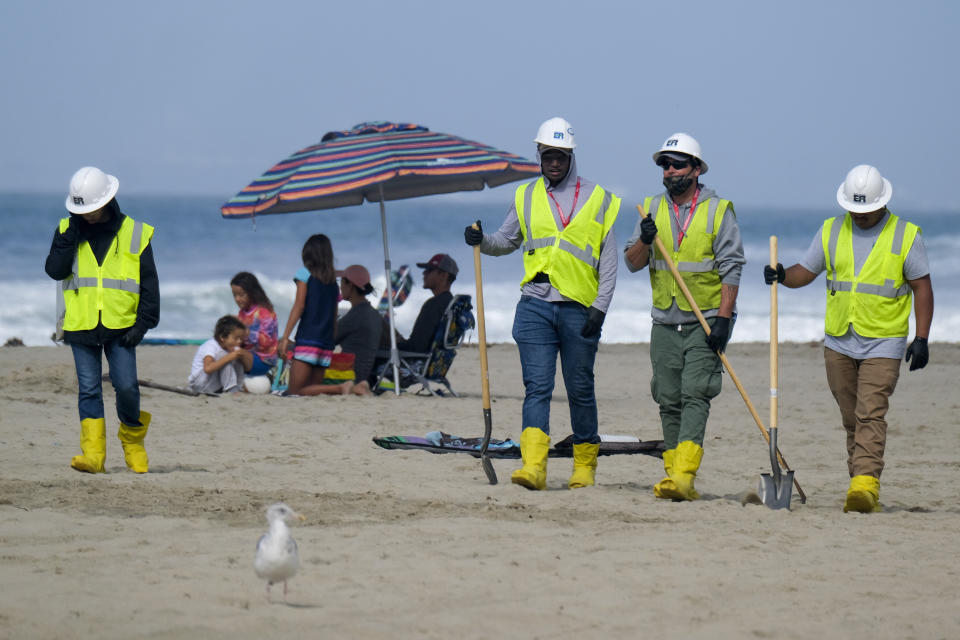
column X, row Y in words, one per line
column 277, row 559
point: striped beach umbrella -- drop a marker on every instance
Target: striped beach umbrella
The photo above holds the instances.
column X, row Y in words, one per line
column 377, row 161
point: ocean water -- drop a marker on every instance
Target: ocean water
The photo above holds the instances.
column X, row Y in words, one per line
column 197, row 252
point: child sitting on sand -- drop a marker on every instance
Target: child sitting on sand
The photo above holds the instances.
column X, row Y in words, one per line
column 217, row 366
column 256, row 312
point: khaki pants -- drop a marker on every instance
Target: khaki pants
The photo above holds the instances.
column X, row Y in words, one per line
column 862, row 389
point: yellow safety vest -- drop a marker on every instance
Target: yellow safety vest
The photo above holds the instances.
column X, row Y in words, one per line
column 110, row 292
column 695, row 259
column 569, row 256
column 875, row 301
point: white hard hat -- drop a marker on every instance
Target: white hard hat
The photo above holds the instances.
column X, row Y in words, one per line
column 90, row 189
column 682, row 143
column 557, row 133
column 864, row 190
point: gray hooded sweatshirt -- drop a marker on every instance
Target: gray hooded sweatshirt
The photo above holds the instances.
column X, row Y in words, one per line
column 727, row 248
column 508, row 239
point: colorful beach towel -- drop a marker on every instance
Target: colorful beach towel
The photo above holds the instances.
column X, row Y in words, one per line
column 440, row 442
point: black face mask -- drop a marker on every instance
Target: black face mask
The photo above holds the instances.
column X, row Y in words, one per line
column 677, row 185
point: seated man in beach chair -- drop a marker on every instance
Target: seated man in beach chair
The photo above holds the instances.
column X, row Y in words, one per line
column 439, row 273
column 431, row 366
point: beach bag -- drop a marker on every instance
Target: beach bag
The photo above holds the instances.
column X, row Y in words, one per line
column 340, row 369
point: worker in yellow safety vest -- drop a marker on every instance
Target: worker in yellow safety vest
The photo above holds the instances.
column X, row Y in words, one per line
column 563, row 224
column 104, row 264
column 699, row 229
column 875, row 263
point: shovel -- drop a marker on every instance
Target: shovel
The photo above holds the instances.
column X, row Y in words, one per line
column 484, row 378
column 775, row 488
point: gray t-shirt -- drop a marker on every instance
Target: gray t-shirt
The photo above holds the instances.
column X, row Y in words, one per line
column 915, row 266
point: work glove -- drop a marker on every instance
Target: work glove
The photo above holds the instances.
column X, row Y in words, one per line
column 719, row 335
column 473, row 236
column 71, row 235
column 132, row 337
column 919, row 353
column 648, row 230
column 594, row 321
column 770, row 274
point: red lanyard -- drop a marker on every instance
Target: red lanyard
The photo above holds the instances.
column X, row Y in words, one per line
column 676, row 214
column 576, row 196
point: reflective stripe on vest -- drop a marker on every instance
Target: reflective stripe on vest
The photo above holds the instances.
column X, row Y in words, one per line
column 107, row 293
column 695, row 259
column 877, row 300
column 569, row 256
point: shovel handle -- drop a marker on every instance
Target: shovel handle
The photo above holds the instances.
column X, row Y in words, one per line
column 484, row 377
column 723, row 358
column 774, row 339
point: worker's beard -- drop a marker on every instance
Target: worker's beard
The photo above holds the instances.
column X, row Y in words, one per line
column 677, row 185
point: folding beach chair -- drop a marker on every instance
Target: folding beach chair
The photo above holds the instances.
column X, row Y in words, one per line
column 430, row 369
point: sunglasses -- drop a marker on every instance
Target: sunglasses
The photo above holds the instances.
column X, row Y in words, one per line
column 666, row 163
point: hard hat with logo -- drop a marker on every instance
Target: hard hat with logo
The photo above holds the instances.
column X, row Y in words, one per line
column 864, row 190
column 682, row 143
column 90, row 189
column 557, row 133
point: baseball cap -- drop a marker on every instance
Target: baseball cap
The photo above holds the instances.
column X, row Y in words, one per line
column 359, row 277
column 441, row 261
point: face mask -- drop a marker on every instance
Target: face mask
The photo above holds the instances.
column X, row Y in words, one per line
column 676, row 185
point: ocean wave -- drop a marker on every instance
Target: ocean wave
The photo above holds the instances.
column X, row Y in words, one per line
column 189, row 309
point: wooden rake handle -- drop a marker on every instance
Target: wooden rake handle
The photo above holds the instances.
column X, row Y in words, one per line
column 723, row 356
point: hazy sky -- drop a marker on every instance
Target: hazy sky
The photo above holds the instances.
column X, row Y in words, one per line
column 202, row 96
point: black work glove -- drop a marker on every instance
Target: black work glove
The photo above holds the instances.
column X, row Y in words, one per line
column 719, row 335
column 594, row 321
column 919, row 354
column 71, row 235
column 132, row 337
column 648, row 230
column 770, row 274
column 473, row 236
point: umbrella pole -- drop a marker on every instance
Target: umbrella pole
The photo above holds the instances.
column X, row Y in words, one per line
column 394, row 357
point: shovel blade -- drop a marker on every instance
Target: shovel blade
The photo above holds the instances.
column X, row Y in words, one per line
column 776, row 492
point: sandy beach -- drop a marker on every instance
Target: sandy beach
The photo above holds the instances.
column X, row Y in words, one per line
column 410, row 544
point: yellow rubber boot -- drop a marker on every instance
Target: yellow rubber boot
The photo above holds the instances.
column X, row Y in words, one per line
column 93, row 443
column 132, row 440
column 668, row 467
column 534, row 448
column 686, row 462
column 584, row 465
column 863, row 495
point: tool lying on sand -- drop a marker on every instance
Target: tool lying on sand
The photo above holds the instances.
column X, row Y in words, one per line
column 481, row 329
column 723, row 357
column 440, row 442
column 163, row 387
column 775, row 488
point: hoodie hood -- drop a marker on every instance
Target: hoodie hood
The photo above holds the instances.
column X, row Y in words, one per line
column 566, row 179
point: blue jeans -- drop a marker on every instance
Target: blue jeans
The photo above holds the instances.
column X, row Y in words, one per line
column 123, row 375
column 541, row 330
